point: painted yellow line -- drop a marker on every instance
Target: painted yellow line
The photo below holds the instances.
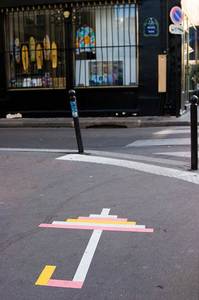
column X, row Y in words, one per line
column 45, row 275
column 101, row 222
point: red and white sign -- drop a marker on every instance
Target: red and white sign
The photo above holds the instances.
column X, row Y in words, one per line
column 176, row 15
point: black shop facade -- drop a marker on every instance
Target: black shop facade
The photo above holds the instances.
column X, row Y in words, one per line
column 117, row 55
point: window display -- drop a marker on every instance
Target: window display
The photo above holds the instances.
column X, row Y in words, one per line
column 106, row 73
column 35, row 49
column 106, row 45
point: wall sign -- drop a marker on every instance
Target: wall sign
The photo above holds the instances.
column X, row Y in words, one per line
column 151, row 27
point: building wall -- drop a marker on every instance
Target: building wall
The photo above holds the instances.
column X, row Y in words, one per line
column 144, row 99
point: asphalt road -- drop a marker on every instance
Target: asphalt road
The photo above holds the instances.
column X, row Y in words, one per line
column 149, row 184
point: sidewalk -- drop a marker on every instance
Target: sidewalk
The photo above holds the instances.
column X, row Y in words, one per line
column 128, row 122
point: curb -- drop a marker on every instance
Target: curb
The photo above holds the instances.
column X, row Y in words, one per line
column 93, row 122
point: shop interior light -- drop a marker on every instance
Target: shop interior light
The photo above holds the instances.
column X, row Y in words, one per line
column 191, row 9
column 66, row 14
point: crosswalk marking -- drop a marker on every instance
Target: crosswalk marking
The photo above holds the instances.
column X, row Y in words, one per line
column 177, row 154
column 172, row 131
column 159, row 142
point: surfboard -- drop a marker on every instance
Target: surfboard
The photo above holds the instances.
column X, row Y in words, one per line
column 39, row 57
column 32, row 45
column 25, row 57
column 46, row 43
column 17, row 50
column 54, row 55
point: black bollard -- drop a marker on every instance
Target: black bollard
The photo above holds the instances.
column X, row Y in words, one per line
column 74, row 110
column 194, row 132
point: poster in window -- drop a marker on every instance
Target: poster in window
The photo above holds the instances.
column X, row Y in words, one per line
column 106, row 73
column 85, row 42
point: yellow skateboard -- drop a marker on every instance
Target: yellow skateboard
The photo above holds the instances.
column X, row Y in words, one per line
column 46, row 43
column 54, row 55
column 25, row 58
column 32, row 46
column 39, row 57
column 17, row 50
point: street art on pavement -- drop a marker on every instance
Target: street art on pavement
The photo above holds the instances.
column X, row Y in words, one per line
column 97, row 223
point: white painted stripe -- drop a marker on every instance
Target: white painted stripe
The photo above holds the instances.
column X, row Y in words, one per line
column 160, row 142
column 172, row 131
column 38, row 150
column 102, row 217
column 139, row 157
column 147, row 168
column 87, row 257
column 177, row 154
column 102, row 153
column 98, row 224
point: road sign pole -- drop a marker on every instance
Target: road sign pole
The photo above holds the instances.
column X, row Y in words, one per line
column 194, row 132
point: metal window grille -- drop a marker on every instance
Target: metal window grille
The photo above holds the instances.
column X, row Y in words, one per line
column 35, row 49
column 106, row 46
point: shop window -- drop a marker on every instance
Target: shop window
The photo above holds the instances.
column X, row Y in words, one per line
column 194, row 58
column 105, row 50
column 35, row 49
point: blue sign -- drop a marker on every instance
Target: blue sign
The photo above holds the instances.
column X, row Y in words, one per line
column 176, row 15
column 151, row 27
column 73, row 105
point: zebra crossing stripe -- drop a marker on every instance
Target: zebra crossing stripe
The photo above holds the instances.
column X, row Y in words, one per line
column 177, row 154
column 172, row 131
column 159, row 142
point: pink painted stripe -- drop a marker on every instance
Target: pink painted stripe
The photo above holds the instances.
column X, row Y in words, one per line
column 65, row 284
column 93, row 227
column 103, row 219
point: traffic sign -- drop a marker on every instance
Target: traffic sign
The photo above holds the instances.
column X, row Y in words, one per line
column 176, row 29
column 176, row 15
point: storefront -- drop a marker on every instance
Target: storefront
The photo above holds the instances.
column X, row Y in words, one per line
column 118, row 55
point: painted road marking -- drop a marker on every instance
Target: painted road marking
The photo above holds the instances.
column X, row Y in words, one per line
column 45, row 275
column 100, row 221
column 99, row 216
column 85, row 262
column 138, row 157
column 84, row 265
column 177, row 154
column 99, row 225
column 38, row 150
column 102, row 153
column 172, row 131
column 143, row 167
column 159, row 142
column 93, row 227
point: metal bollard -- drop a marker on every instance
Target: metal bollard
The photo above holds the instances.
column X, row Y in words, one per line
column 194, row 132
column 74, row 110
